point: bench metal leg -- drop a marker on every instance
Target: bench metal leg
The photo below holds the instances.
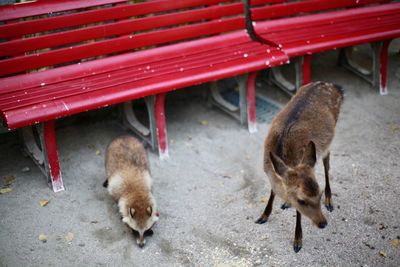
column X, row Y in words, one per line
column 380, row 77
column 306, row 69
column 245, row 112
column 155, row 134
column 251, row 102
column 159, row 110
column 45, row 153
column 378, row 74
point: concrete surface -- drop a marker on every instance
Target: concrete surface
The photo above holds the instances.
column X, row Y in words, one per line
column 211, row 190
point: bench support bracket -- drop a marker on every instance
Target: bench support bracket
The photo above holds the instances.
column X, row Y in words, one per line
column 279, row 80
column 245, row 112
column 302, row 67
column 45, row 153
column 377, row 76
column 156, row 134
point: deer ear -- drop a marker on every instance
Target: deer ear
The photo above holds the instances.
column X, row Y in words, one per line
column 279, row 166
column 310, row 154
column 149, row 210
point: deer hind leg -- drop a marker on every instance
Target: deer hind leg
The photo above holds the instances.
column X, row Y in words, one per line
column 298, row 234
column 267, row 211
column 328, row 194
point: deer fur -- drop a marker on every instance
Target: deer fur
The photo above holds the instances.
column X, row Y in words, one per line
column 301, row 132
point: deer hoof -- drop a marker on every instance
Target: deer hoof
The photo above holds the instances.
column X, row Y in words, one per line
column 261, row 220
column 296, row 246
column 285, row 206
column 329, row 207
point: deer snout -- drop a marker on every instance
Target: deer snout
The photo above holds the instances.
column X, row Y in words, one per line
column 319, row 220
column 141, row 241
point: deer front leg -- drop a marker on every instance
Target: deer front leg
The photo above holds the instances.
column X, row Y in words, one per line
column 268, row 209
column 328, row 194
column 298, row 235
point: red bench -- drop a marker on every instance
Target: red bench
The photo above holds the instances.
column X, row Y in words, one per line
column 60, row 58
column 303, row 28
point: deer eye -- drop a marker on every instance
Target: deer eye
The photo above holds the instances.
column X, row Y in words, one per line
column 301, row 202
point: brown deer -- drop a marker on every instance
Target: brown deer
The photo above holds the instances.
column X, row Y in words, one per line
column 299, row 132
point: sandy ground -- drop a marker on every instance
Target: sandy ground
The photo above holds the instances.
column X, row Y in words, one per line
column 211, row 190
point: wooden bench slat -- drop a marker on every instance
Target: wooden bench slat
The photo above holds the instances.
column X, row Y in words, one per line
column 264, row 2
column 36, row 8
column 296, row 8
column 120, row 44
column 321, row 31
column 342, row 40
column 117, row 28
column 98, row 15
column 326, row 18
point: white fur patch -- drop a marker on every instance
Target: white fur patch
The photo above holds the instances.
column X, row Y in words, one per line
column 114, row 184
column 122, row 207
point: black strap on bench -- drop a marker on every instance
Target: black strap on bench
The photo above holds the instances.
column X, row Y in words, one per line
column 250, row 29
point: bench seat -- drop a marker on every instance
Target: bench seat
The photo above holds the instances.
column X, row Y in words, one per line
column 32, row 98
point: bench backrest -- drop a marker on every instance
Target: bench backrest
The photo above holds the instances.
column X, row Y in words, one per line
column 48, row 33
column 260, row 11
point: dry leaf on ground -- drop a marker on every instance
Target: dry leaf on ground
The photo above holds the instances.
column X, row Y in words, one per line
column 383, row 253
column 5, row 190
column 395, row 243
column 394, row 127
column 69, row 237
column 204, row 122
column 43, row 202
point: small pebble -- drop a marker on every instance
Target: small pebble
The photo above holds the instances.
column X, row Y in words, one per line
column 25, row 169
column 43, row 238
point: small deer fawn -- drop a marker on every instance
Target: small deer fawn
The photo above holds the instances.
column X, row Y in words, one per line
column 301, row 131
